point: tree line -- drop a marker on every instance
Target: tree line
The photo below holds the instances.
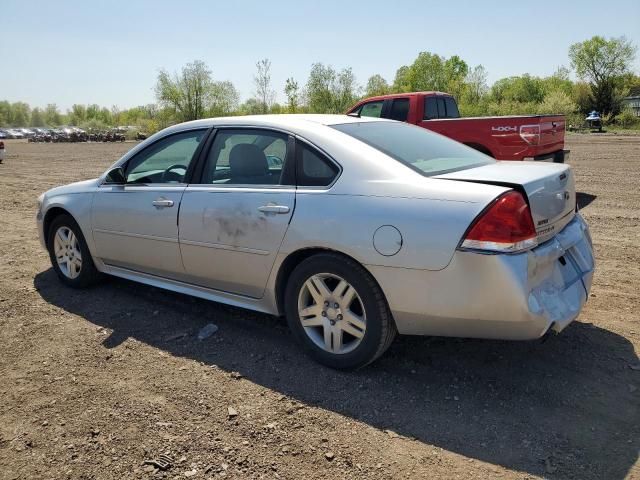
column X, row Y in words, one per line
column 602, row 66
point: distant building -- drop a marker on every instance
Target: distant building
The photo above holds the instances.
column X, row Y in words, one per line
column 633, row 101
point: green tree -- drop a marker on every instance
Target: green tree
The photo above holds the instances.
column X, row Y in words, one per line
column 376, row 85
column 627, row 118
column 262, row 81
column 329, row 91
column 292, row 92
column 558, row 81
column 187, row 93
column 345, row 91
column 476, row 85
column 116, row 115
column 319, row 88
column 5, row 114
column 78, row 114
column 251, row 107
column 52, row 116
column 603, row 63
column 276, row 108
column 105, row 116
column 401, row 82
column 557, row 102
column 520, row 89
column 224, row 99
column 455, row 74
column 427, row 73
column 37, row 118
column 432, row 72
column 20, row 114
column 93, row 111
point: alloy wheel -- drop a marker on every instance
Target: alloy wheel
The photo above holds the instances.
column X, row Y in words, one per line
column 332, row 313
column 67, row 252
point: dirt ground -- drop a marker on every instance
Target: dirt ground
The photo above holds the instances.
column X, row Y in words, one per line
column 94, row 382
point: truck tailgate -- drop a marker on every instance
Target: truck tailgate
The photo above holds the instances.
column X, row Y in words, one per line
column 552, row 128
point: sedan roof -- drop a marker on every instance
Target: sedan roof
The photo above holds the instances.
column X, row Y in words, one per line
column 290, row 120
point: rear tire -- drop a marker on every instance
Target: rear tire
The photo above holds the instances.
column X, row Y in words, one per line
column 69, row 254
column 337, row 312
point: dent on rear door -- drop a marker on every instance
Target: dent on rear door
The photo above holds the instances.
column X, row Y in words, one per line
column 227, row 242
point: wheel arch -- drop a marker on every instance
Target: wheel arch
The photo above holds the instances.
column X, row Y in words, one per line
column 295, row 258
column 49, row 217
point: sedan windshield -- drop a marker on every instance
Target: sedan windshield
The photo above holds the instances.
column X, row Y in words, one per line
column 424, row 151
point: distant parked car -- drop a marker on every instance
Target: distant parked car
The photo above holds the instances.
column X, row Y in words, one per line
column 14, row 133
column 41, row 135
column 27, row 132
column 3, row 134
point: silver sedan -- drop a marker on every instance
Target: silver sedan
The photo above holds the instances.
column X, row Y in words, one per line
column 355, row 229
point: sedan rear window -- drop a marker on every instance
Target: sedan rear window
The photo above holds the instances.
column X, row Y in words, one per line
column 426, row 152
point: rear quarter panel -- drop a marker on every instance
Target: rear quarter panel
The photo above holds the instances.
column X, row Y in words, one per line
column 431, row 228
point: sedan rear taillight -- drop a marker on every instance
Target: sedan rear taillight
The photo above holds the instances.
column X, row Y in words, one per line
column 530, row 134
column 504, row 226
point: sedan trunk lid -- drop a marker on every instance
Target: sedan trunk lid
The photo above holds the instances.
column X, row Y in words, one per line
column 549, row 188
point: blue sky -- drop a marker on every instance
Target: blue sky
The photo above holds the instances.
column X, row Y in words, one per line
column 110, row 52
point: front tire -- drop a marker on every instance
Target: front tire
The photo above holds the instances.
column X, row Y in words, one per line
column 69, row 254
column 337, row 311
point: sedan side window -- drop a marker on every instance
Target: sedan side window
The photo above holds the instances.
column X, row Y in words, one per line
column 247, row 157
column 314, row 169
column 165, row 161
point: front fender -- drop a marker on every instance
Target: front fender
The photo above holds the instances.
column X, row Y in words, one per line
column 78, row 205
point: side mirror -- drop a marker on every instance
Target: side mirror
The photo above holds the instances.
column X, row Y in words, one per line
column 116, row 176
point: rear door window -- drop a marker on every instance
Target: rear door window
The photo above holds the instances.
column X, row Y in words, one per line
column 247, row 157
column 430, row 108
column 442, row 113
column 452, row 108
column 314, row 169
column 399, row 109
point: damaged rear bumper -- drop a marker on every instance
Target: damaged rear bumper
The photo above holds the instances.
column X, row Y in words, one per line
column 511, row 297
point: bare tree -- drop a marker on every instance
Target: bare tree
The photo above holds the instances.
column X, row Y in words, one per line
column 262, row 80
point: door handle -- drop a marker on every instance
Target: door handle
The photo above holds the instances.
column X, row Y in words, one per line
column 274, row 209
column 162, row 203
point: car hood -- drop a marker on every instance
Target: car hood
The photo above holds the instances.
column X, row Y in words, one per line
column 76, row 187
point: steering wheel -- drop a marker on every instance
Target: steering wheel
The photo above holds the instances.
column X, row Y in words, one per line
column 166, row 175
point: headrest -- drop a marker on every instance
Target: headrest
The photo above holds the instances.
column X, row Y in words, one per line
column 247, row 160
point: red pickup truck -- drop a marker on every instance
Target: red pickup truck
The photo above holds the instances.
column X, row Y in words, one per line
column 518, row 137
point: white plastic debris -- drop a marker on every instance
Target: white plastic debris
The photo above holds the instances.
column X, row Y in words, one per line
column 207, row 331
